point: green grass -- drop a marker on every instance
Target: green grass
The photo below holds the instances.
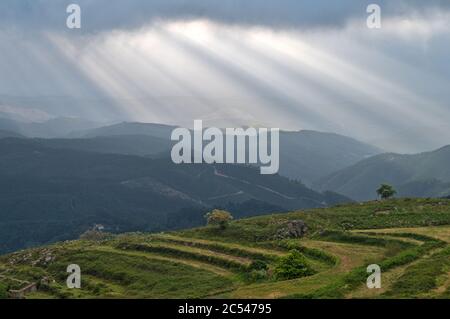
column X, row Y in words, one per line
column 421, row 278
column 207, row 256
column 313, row 253
column 221, row 248
column 407, row 236
column 110, row 273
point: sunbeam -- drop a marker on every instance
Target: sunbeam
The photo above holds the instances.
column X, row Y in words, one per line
column 181, row 70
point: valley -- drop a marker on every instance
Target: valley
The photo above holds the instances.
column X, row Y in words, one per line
column 52, row 193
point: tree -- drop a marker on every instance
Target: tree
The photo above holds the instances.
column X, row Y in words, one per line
column 386, row 191
column 219, row 217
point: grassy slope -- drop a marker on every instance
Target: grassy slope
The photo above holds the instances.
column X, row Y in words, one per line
column 409, row 239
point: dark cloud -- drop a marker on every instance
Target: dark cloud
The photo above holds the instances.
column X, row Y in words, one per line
column 101, row 15
column 367, row 84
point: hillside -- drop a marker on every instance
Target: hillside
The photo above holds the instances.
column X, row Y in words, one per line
column 304, row 155
column 260, row 257
column 311, row 155
column 129, row 128
column 51, row 194
column 420, row 175
column 140, row 145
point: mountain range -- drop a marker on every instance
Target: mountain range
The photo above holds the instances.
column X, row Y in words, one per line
column 52, row 128
column 304, row 155
column 121, row 176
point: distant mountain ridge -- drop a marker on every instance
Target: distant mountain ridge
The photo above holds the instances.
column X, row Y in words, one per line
column 422, row 175
column 129, row 128
column 5, row 134
column 53, row 128
column 311, row 155
column 304, row 155
column 141, row 145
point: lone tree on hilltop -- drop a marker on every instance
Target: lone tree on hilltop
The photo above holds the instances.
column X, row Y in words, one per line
column 386, row 191
column 219, row 217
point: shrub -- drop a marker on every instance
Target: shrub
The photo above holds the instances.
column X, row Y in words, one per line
column 256, row 275
column 3, row 291
column 293, row 266
column 309, row 252
column 258, row 265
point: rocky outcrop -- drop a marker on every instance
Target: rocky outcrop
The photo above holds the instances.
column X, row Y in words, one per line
column 292, row 229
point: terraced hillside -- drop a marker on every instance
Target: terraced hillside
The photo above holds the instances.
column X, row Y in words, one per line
column 262, row 257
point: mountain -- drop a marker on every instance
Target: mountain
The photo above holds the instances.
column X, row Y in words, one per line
column 129, row 128
column 315, row 254
column 304, row 155
column 9, row 125
column 5, row 134
column 424, row 175
column 413, row 140
column 55, row 193
column 140, row 145
column 57, row 127
column 311, row 155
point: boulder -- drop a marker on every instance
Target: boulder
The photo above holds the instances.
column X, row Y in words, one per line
column 292, row 229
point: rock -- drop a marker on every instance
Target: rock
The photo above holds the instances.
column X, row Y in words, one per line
column 292, row 229
column 347, row 225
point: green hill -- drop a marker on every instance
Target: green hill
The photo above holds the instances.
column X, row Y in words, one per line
column 320, row 253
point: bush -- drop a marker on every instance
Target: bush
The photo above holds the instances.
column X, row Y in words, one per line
column 313, row 253
column 258, row 265
column 3, row 291
column 293, row 266
column 256, row 275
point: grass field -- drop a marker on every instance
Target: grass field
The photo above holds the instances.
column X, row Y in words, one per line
column 408, row 238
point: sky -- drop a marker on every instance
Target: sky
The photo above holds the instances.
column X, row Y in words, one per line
column 289, row 64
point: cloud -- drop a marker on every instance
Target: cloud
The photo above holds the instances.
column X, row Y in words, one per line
column 289, row 64
column 104, row 15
